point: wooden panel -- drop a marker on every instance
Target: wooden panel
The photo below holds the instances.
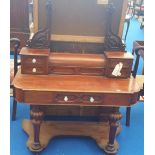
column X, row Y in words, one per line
column 117, row 99
column 73, row 110
column 38, row 97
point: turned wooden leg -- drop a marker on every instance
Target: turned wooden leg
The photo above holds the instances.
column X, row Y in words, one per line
column 36, row 118
column 128, row 111
column 114, row 117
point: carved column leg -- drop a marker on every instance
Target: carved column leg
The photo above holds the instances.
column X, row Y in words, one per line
column 114, row 117
column 36, row 118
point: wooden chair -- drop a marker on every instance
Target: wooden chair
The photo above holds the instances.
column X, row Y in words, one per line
column 14, row 48
column 138, row 50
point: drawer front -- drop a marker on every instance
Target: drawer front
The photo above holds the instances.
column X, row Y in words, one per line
column 76, row 70
column 35, row 60
column 64, row 98
column 40, row 97
column 125, row 73
column 78, row 98
column 32, row 69
column 83, row 99
column 92, row 99
column 113, row 62
column 92, row 71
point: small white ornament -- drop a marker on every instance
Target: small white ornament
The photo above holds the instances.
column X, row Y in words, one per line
column 34, row 60
column 92, row 99
column 34, row 70
column 117, row 69
column 65, row 98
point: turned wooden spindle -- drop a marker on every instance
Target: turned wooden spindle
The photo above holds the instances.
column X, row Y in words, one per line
column 113, row 120
column 36, row 119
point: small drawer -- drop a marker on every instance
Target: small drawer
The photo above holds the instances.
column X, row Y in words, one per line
column 76, row 70
column 34, row 60
column 35, row 70
column 125, row 73
column 66, row 98
column 78, row 98
column 92, row 71
column 113, row 62
column 92, row 99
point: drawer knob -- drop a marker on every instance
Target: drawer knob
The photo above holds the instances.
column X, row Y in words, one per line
column 65, row 98
column 34, row 60
column 92, row 99
column 34, row 70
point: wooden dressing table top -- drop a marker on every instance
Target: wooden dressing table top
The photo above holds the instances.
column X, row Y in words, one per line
column 75, row 83
column 76, row 90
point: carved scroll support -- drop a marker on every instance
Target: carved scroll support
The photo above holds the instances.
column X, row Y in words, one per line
column 113, row 120
column 112, row 41
column 39, row 40
column 36, row 119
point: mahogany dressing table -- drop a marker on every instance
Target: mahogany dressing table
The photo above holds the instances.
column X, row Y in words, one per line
column 46, row 79
column 50, row 79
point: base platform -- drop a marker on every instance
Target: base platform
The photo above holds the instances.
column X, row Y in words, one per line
column 99, row 131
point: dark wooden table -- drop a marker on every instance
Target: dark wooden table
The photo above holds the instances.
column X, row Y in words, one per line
column 78, row 90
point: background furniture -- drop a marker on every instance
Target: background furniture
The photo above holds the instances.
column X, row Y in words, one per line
column 138, row 7
column 127, row 20
column 19, row 20
column 15, row 44
column 138, row 51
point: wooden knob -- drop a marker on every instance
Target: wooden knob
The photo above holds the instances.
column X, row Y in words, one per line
column 65, row 98
column 92, row 99
column 34, row 70
column 34, row 60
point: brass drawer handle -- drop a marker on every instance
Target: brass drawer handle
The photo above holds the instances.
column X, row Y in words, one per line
column 65, row 98
column 34, row 70
column 34, row 60
column 92, row 99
